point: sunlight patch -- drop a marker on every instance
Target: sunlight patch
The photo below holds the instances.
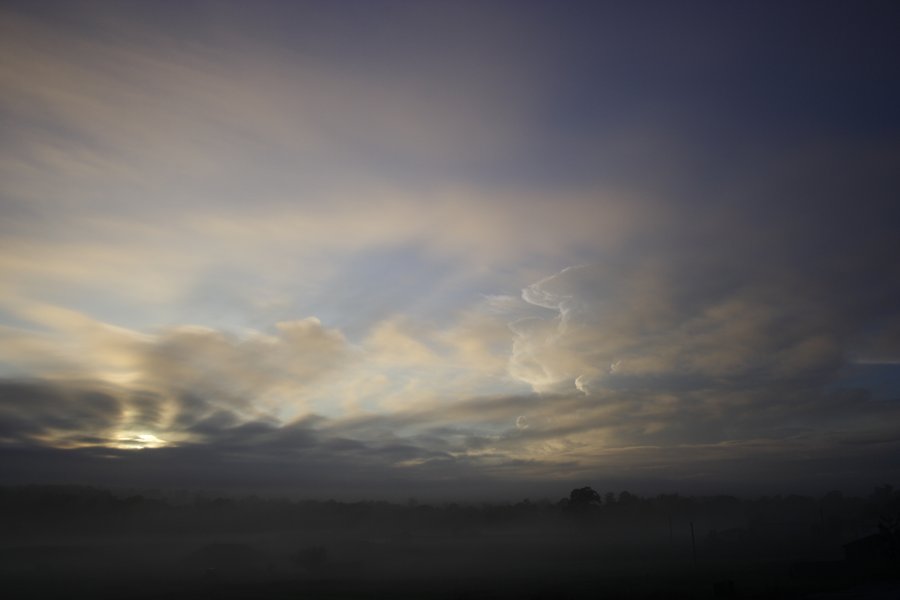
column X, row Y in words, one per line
column 139, row 441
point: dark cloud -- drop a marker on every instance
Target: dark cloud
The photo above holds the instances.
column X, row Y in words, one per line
column 40, row 412
column 806, row 439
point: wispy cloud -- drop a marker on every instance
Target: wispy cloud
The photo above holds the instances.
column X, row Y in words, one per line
column 439, row 241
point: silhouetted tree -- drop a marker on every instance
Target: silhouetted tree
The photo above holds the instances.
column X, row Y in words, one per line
column 584, row 498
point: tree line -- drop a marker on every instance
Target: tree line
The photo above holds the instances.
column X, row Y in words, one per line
column 31, row 510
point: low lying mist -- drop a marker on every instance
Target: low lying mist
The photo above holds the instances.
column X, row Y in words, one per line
column 57, row 540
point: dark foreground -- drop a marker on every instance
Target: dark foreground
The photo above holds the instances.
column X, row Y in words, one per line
column 78, row 542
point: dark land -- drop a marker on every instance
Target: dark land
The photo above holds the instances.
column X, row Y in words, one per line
column 64, row 542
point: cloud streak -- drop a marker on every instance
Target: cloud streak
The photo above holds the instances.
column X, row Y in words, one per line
column 434, row 242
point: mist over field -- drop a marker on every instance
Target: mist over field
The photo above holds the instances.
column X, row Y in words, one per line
column 65, row 540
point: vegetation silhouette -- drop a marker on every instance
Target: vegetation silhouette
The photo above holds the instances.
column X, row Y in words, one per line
column 583, row 499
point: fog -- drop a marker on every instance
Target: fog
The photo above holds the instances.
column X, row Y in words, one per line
column 59, row 540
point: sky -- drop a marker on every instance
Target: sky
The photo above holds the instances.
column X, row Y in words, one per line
column 376, row 249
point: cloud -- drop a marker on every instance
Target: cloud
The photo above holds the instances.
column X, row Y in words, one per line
column 182, row 191
column 178, row 376
column 395, row 454
column 666, row 368
column 673, row 322
column 223, row 179
column 35, row 412
column 186, row 383
column 714, row 361
column 240, row 368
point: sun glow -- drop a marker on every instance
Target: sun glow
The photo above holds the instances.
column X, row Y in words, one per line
column 139, row 441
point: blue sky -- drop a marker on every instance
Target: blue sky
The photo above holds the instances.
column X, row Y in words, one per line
column 504, row 243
